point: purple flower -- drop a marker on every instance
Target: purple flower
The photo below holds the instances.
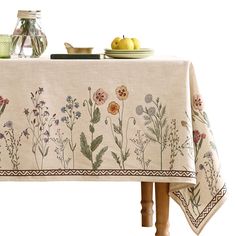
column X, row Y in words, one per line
column 8, row 124
column 69, row 106
column 26, row 133
column 69, row 98
column 76, row 105
column 40, row 90
column 26, row 111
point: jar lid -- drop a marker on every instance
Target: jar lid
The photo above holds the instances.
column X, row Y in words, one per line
column 28, row 14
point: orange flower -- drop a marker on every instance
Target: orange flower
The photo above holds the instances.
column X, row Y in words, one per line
column 122, row 92
column 113, row 108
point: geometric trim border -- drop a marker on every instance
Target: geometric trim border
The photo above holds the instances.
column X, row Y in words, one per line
column 196, row 222
column 100, row 172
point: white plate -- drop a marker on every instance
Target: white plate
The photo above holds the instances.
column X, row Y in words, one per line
column 137, row 51
column 128, row 55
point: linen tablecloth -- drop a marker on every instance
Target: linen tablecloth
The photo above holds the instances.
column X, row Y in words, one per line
column 133, row 120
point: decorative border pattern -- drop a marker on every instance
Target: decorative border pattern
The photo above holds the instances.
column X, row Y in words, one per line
column 196, row 222
column 100, row 172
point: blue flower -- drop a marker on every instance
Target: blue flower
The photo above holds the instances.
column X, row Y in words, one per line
column 69, row 98
column 78, row 114
column 76, row 105
column 63, row 109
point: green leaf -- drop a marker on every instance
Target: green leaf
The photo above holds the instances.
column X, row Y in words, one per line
column 164, row 123
column 118, row 142
column 40, row 150
column 95, row 143
column 116, row 129
column 127, row 154
column 195, row 112
column 114, row 155
column 90, row 102
column 46, row 153
column 98, row 161
column 85, row 147
column 163, row 111
column 200, row 143
column 153, row 139
column 91, row 128
column 151, row 130
column 96, row 116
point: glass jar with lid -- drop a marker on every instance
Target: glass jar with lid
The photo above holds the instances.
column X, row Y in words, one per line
column 28, row 39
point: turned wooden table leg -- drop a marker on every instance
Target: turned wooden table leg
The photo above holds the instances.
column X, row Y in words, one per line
column 147, row 203
column 162, row 209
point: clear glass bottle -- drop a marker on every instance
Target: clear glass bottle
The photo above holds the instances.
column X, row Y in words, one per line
column 28, row 39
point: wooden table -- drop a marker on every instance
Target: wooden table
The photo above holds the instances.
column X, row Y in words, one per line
column 161, row 205
column 129, row 120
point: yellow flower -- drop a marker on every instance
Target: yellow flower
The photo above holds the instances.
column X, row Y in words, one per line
column 113, row 108
column 122, row 92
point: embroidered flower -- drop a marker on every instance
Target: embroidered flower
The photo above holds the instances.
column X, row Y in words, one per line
column 3, row 101
column 196, row 136
column 148, row 98
column 122, row 92
column 100, row 97
column 139, row 110
column 197, row 102
column 113, row 108
column 8, row 124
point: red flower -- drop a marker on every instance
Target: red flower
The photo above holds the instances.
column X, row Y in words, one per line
column 196, row 136
column 197, row 102
column 203, row 136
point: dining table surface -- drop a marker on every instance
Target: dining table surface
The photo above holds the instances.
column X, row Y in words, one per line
column 111, row 120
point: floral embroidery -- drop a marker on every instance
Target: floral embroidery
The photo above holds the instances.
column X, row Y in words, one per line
column 40, row 123
column 61, row 144
column 197, row 139
column 197, row 102
column 99, row 98
column 12, row 143
column 71, row 116
column 212, row 176
column 122, row 92
column 120, row 130
column 141, row 142
column 197, row 111
column 194, row 198
column 155, row 121
column 3, row 103
column 113, row 108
